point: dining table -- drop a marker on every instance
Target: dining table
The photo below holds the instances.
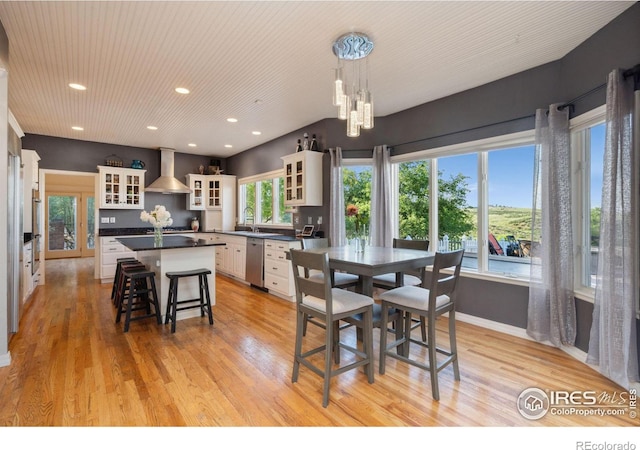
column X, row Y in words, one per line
column 373, row 261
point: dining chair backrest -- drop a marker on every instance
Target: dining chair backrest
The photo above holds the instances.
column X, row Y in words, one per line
column 444, row 276
column 315, row 243
column 415, row 244
column 303, row 262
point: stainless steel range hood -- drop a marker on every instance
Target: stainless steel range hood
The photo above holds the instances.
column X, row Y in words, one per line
column 167, row 183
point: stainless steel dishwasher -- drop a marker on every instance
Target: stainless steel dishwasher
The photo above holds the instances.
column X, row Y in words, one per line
column 255, row 265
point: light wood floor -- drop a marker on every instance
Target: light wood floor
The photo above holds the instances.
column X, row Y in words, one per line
column 72, row 366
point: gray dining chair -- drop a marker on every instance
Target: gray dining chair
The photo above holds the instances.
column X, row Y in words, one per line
column 388, row 280
column 432, row 299
column 316, row 297
column 338, row 279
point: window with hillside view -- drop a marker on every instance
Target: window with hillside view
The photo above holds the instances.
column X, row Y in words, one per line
column 510, row 199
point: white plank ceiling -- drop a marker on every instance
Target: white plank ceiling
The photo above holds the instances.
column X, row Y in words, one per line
column 268, row 64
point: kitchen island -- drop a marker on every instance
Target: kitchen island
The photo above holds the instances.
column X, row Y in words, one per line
column 176, row 254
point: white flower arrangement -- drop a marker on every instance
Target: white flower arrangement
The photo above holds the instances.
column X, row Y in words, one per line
column 159, row 217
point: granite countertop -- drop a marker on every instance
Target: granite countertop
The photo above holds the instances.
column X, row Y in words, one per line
column 259, row 235
column 140, row 231
column 143, row 243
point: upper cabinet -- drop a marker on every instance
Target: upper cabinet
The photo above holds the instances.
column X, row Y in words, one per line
column 30, row 167
column 121, row 188
column 303, row 179
column 211, row 192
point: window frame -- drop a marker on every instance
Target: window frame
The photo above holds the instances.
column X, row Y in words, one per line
column 579, row 128
column 481, row 148
column 274, row 176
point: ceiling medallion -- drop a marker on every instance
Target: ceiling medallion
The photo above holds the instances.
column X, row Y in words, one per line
column 351, row 85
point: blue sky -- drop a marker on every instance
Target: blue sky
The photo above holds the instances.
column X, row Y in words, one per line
column 511, row 173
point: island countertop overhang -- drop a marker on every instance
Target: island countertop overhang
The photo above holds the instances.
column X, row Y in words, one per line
column 143, row 243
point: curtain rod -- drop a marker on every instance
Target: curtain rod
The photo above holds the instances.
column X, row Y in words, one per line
column 634, row 71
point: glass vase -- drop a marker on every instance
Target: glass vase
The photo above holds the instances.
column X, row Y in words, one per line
column 157, row 237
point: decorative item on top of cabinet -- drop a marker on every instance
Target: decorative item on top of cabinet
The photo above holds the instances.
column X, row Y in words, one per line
column 121, row 188
column 303, row 179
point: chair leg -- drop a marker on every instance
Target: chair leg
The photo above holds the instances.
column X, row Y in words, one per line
column 336, row 342
column 407, row 334
column 327, row 362
column 423, row 328
column 156, row 300
column 304, row 325
column 368, row 342
column 433, row 362
column 452, row 344
column 384, row 318
column 298, row 346
column 208, row 298
column 167, row 314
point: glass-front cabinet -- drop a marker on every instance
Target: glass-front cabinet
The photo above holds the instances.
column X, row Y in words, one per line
column 303, row 179
column 210, row 192
column 196, row 200
column 121, row 188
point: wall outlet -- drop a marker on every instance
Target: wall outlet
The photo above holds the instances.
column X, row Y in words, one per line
column 112, row 220
column 104, row 220
column 310, row 220
column 319, row 220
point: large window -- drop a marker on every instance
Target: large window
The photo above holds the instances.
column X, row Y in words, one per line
column 484, row 199
column 357, row 192
column 588, row 153
column 261, row 200
column 510, row 200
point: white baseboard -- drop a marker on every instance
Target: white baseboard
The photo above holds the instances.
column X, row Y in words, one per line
column 5, row 359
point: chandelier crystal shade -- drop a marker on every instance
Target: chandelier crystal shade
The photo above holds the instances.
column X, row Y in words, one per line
column 351, row 82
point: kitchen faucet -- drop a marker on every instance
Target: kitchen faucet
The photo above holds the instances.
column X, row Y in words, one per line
column 253, row 218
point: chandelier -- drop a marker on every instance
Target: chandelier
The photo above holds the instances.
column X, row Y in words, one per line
column 351, row 86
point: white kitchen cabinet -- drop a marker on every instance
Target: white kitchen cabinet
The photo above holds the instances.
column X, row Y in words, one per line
column 107, row 255
column 211, row 192
column 30, row 177
column 196, row 200
column 27, row 277
column 231, row 258
column 278, row 272
column 121, row 188
column 30, row 166
column 303, row 179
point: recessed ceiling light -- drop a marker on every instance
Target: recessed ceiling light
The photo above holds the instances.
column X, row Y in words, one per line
column 232, row 120
column 228, row 146
column 151, row 127
column 192, row 145
column 77, row 86
column 256, row 133
column 181, row 90
column 77, row 128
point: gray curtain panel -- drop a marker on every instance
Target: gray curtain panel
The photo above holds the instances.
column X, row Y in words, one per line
column 552, row 314
column 613, row 345
column 383, row 221
column 337, row 231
